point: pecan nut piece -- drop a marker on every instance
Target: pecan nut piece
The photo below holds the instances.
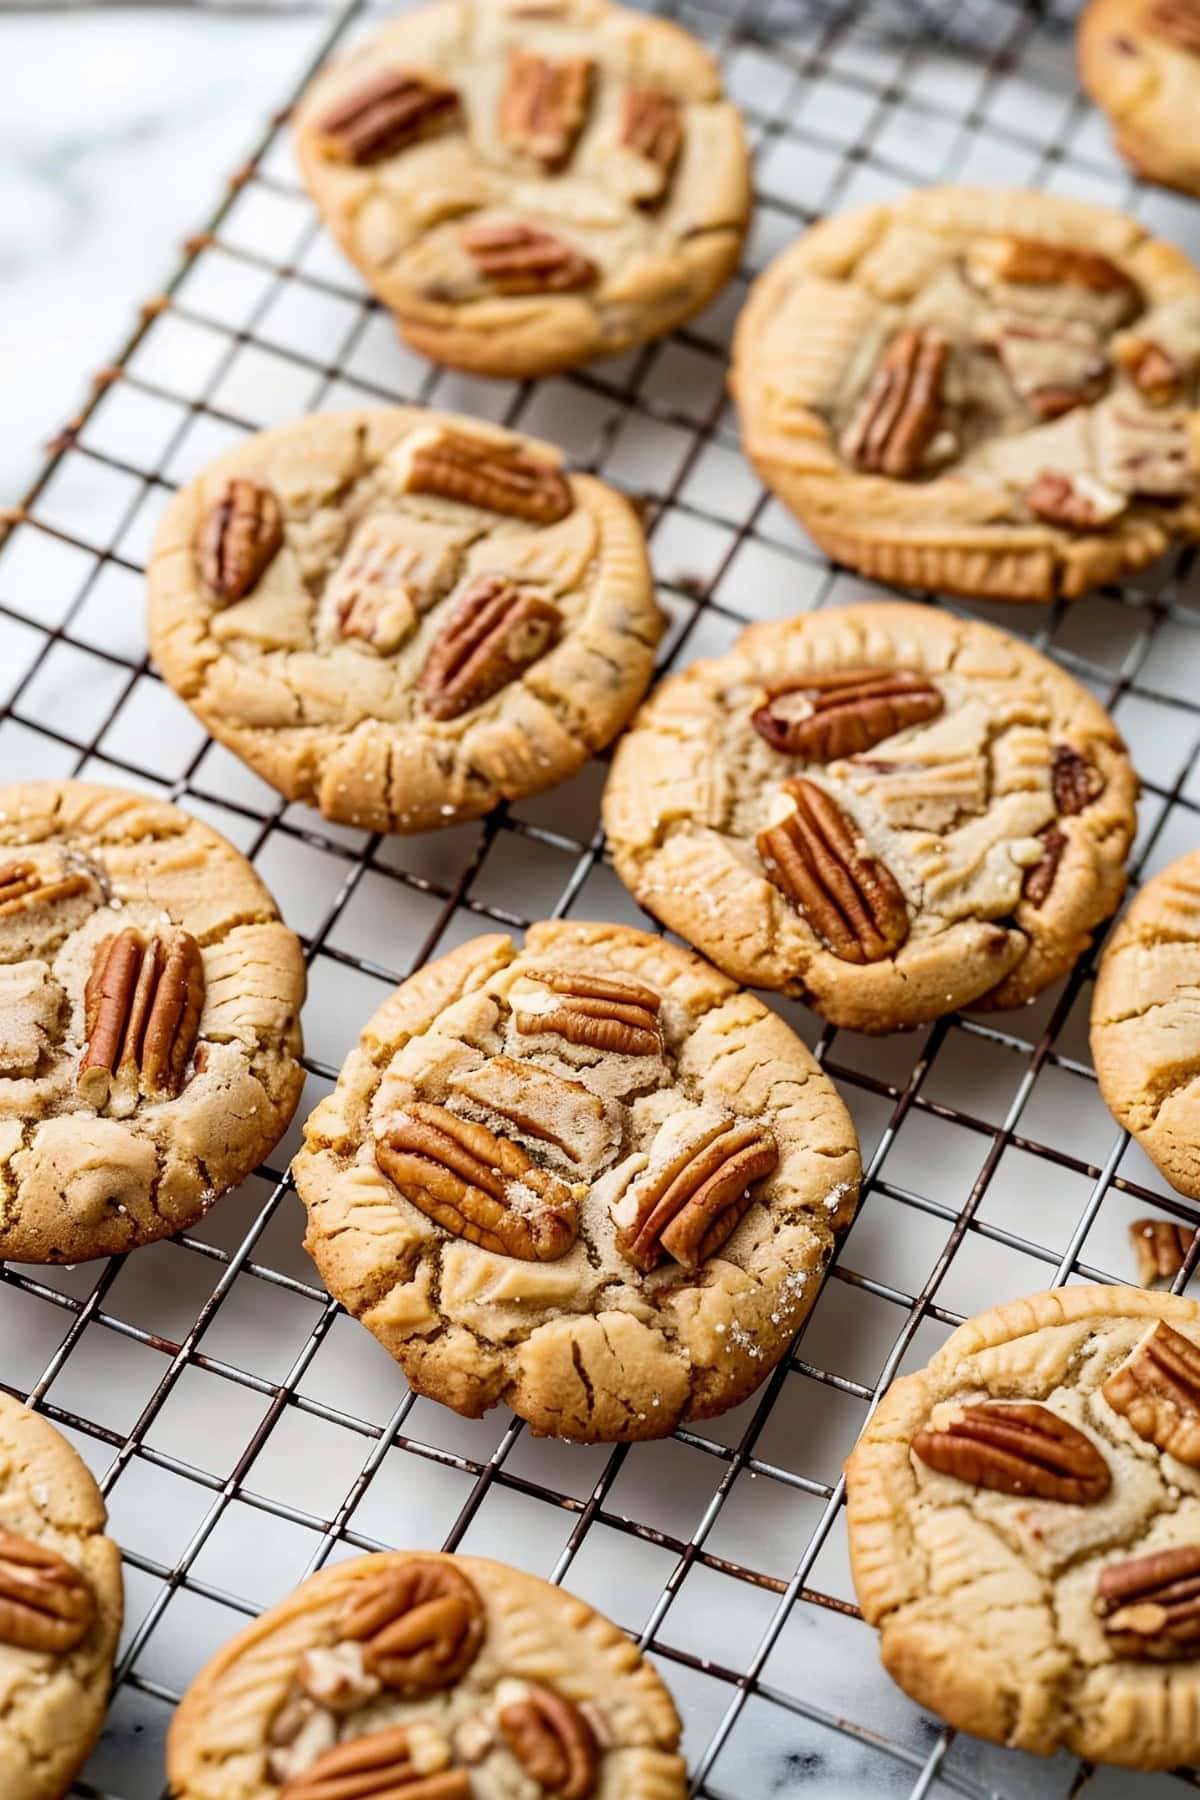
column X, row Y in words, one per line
column 494, row 476
column 901, row 412
column 238, row 538
column 421, row 1625
column 1053, row 368
column 516, row 258
column 553, row 1742
column 493, row 633
column 1178, row 21
column 1079, row 502
column 386, row 115
column 1031, row 262
column 1017, row 1447
column 1158, row 1390
column 1150, row 1604
column 23, row 887
column 543, row 105
column 689, row 1206
column 825, row 717
column 45, row 1602
column 1152, row 370
column 1145, row 451
column 477, row 1185
column 1075, row 781
column 142, row 1007
column 379, row 1766
column 1039, row 879
column 1161, row 1248
column 652, row 127
column 607, row 1012
column 849, row 898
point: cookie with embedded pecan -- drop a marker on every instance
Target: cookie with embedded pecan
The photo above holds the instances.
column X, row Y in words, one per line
column 1024, row 1519
column 883, row 810
column 588, row 1178
column 984, row 392
column 60, row 1606
column 432, row 1678
column 1145, row 1030
column 401, row 616
column 528, row 186
column 1140, row 62
column 149, row 1020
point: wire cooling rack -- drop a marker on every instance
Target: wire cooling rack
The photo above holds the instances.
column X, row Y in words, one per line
column 246, row 1431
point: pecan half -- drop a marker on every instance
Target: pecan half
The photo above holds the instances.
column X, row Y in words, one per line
column 1178, row 21
column 689, row 1206
column 477, row 1185
column 1030, row 262
column 1150, row 1604
column 238, row 538
column 421, row 1625
column 497, row 477
column 45, row 1602
column 849, row 898
column 1161, row 1247
column 901, row 411
column 652, row 127
column 1079, row 502
column 1152, row 370
column 379, row 1766
column 1075, row 781
column 386, row 115
column 1158, row 1390
column 142, row 1007
column 543, row 105
column 1017, row 1447
column 1039, row 878
column 494, row 632
column 553, row 1742
column 23, row 887
column 825, row 717
column 1053, row 368
column 516, row 258
column 609, row 1012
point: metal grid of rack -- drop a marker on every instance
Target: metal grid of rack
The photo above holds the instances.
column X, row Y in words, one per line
column 244, row 1430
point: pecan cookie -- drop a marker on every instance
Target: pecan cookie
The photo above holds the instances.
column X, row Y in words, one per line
column 1146, row 1023
column 588, row 1178
column 527, row 186
column 1024, row 1523
column 149, row 1033
column 881, row 809
column 432, row 1678
column 60, row 1607
column 402, row 617
column 985, row 392
column 1140, row 62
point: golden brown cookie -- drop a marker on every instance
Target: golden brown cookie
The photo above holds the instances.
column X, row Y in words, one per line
column 60, row 1607
column 1140, row 62
column 588, row 1178
column 1025, row 1526
column 403, row 617
column 884, row 810
column 985, row 392
column 1146, row 1022
column 447, row 1677
column 149, row 1025
column 529, row 186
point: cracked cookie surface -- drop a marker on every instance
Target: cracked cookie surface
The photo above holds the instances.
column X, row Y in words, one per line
column 529, row 186
column 882, row 809
column 588, row 1178
column 60, row 1607
column 1011, row 1600
column 1145, row 1027
column 989, row 393
column 1139, row 60
column 150, row 1037
column 402, row 617
column 453, row 1676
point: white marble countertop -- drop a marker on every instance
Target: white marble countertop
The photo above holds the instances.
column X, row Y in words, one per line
column 119, row 127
